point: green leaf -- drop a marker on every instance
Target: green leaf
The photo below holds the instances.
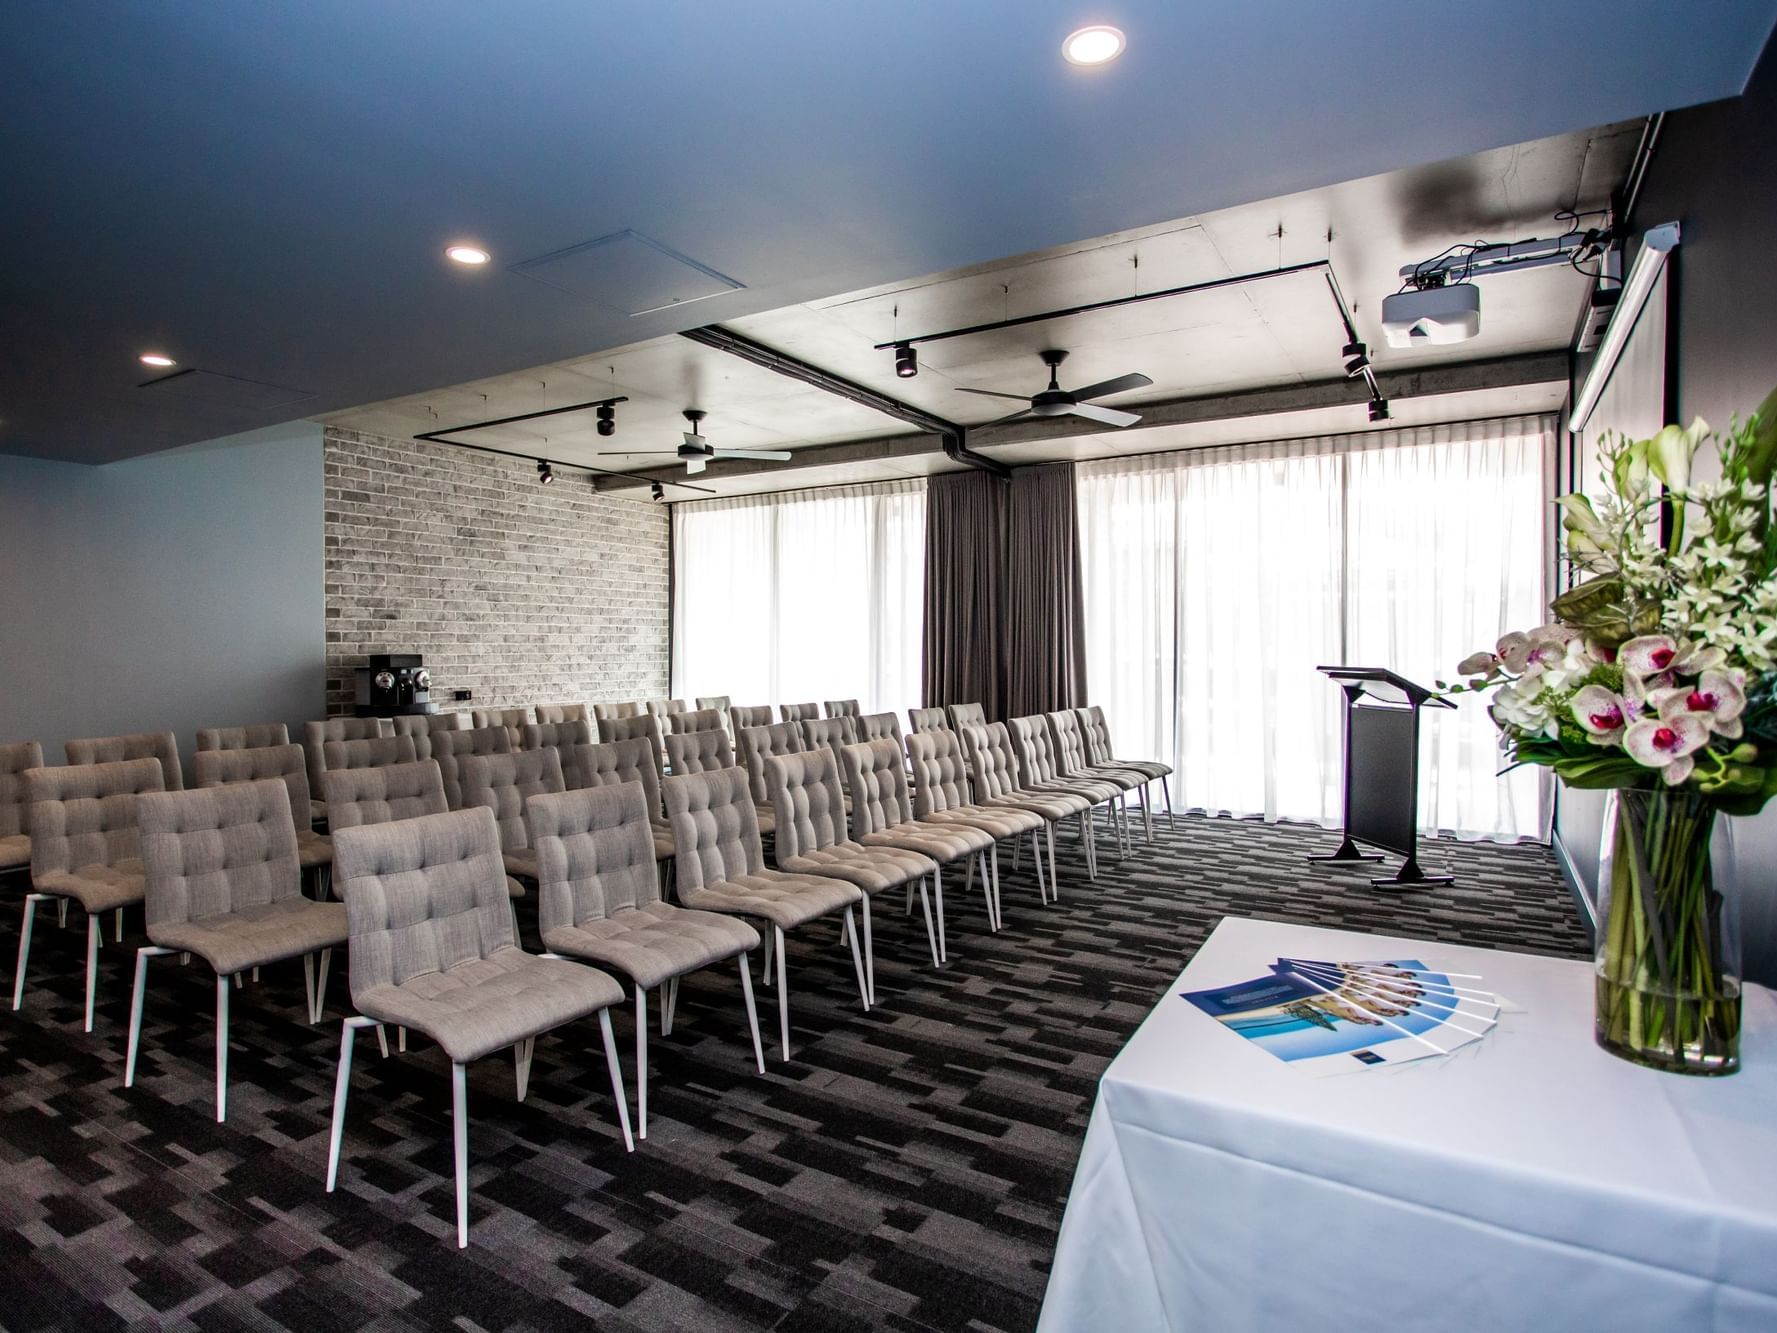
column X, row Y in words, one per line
column 1761, row 450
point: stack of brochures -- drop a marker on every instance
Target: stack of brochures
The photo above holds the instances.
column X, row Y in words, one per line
column 1328, row 1017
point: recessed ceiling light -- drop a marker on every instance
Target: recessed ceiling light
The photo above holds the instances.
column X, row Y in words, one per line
column 1098, row 45
column 471, row 255
column 160, row 359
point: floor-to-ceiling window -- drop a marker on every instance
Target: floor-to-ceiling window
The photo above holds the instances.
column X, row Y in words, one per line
column 1217, row 580
column 808, row 595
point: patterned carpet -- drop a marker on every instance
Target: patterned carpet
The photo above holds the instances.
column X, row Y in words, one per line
column 906, row 1170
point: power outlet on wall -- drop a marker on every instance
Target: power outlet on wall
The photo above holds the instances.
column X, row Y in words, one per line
column 462, row 696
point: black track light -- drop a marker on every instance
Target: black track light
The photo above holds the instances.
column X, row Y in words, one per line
column 1357, row 358
column 607, row 416
column 545, row 473
column 657, row 491
column 906, row 360
column 1379, row 409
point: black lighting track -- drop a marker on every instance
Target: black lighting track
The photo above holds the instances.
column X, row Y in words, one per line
column 953, row 435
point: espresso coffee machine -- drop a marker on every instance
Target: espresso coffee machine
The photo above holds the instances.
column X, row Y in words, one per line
column 394, row 684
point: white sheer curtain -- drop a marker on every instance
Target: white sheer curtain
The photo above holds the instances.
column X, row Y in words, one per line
column 809, row 595
column 1217, row 580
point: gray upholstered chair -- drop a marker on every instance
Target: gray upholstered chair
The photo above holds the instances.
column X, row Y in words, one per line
column 243, row 738
column 562, row 713
column 882, row 816
column 1096, row 733
column 417, row 727
column 700, row 719
column 993, row 771
column 157, row 745
column 513, row 719
column 617, row 762
column 941, row 797
column 599, row 902
column 1035, row 752
column 213, row 768
column 661, row 709
column 643, row 726
column 699, row 751
column 222, row 881
column 454, row 721
column 927, row 719
column 721, row 868
column 743, row 717
column 830, row 732
column 812, row 839
column 450, row 748
column 753, row 746
column 501, row 782
column 85, row 847
column 316, row 734
column 796, row 712
column 967, row 715
column 357, row 796
column 371, row 752
column 15, row 811
column 720, row 702
column 630, row 708
column 561, row 737
column 433, row 948
column 880, row 726
column 1071, row 765
column 841, row 707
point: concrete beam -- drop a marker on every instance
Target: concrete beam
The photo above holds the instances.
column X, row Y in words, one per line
column 1504, row 372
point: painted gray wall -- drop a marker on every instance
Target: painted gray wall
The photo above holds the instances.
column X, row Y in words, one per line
column 179, row 591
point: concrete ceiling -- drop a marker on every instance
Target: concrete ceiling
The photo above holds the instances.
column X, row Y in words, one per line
column 264, row 191
column 1282, row 331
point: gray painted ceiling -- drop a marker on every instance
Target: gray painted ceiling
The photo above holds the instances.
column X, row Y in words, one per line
column 263, row 191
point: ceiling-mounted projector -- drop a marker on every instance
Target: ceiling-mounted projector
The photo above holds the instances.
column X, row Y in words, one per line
column 1432, row 315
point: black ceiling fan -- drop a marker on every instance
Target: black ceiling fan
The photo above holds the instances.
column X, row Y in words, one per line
column 1056, row 401
column 697, row 451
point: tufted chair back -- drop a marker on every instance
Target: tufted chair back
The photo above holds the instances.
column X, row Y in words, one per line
column 156, row 745
column 967, row 715
column 15, row 810
column 457, row 721
column 699, row 751
column 757, row 744
column 422, row 896
column 719, row 702
column 841, row 707
column 358, row 796
column 619, row 762
column 662, row 709
column 214, row 768
column 808, row 801
column 371, row 752
column 876, row 726
column 876, row 774
column 1035, row 750
column 991, row 762
column 450, row 748
column 501, row 782
column 743, row 717
column 595, row 854
column 797, row 712
column 1068, row 740
column 605, row 712
column 217, row 849
column 643, row 726
column 513, row 719
column 562, row 713
column 561, row 737
column 316, row 734
column 940, row 776
column 417, row 727
column 85, row 814
column 829, row 733
column 243, row 738
column 928, row 719
column 702, row 719
column 715, row 827
column 1095, row 732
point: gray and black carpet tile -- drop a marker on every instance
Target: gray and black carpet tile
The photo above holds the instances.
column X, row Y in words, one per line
column 907, row 1169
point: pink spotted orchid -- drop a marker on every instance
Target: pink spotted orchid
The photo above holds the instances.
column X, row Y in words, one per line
column 1603, row 714
column 1717, row 698
column 1667, row 744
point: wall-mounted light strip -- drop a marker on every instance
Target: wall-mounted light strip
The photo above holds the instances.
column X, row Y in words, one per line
column 1650, row 260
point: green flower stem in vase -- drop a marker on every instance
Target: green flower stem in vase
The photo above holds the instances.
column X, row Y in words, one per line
column 1668, row 959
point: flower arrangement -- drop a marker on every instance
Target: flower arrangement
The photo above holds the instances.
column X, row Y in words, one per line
column 1657, row 678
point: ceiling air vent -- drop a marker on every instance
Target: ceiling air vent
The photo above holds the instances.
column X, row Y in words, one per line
column 628, row 271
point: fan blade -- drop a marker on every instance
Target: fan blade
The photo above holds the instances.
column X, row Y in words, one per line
column 773, row 455
column 687, row 486
column 1105, row 388
column 625, row 453
column 695, row 465
column 1109, row 415
column 994, row 393
column 1025, row 415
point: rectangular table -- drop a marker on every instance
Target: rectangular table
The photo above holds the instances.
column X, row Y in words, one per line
column 1529, row 1181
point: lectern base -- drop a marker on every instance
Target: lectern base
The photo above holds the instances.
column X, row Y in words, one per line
column 1347, row 851
column 1410, row 876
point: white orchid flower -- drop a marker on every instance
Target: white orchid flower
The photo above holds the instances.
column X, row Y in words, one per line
column 1513, row 651
column 1667, row 744
column 1483, row 664
column 1718, row 698
column 1697, row 658
column 1648, row 655
column 1603, row 714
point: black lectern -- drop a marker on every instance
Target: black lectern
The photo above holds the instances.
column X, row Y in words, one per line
column 1382, row 769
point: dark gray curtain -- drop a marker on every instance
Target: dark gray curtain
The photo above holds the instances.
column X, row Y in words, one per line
column 1044, row 644
column 964, row 607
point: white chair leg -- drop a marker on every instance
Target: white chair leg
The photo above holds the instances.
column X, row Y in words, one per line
column 783, row 992
column 993, row 912
column 1036, row 856
column 62, row 913
column 857, row 956
column 459, row 1117
column 746, row 992
column 382, row 1039
column 521, row 1066
column 401, row 1040
column 18, row 984
column 938, row 897
column 321, row 985
column 1166, row 791
column 669, row 1006
column 616, row 1068
column 769, row 938
column 642, row 1058
column 348, row 1030
column 907, row 909
column 143, row 954
column 1054, row 874
column 869, row 953
column 222, row 1048
column 1147, row 812
column 117, row 928
column 925, row 901
column 308, row 984
column 95, row 931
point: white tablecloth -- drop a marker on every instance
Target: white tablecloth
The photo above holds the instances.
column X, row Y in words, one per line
column 1530, row 1181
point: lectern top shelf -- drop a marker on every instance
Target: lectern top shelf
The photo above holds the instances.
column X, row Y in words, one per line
column 1384, row 686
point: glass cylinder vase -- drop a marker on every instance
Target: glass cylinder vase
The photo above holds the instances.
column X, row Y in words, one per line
column 1668, row 950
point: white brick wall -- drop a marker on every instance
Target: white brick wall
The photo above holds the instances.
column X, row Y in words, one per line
column 520, row 592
